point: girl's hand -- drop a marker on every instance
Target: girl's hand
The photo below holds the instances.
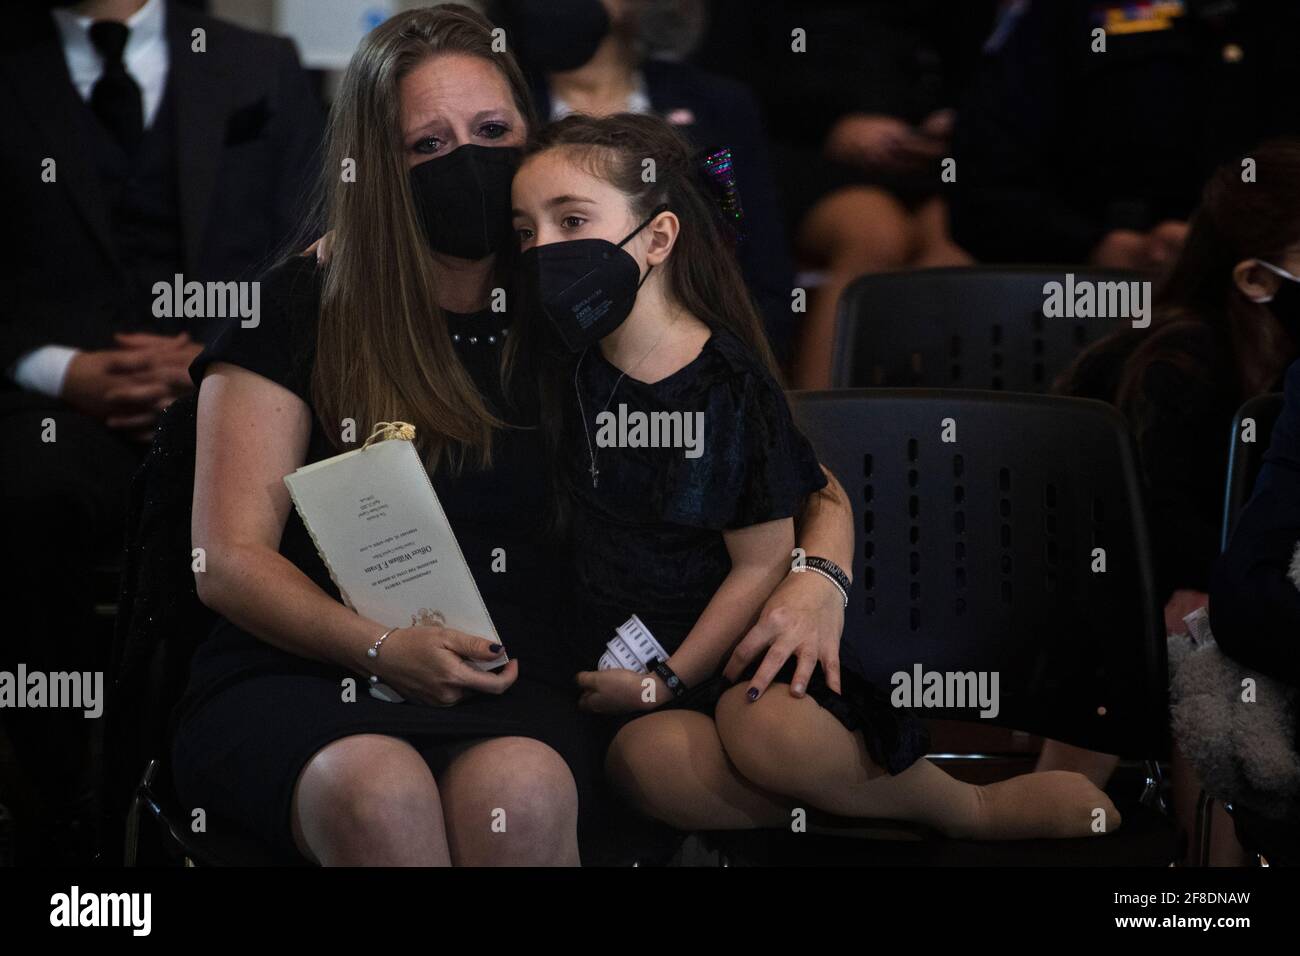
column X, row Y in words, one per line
column 804, row 617
column 432, row 665
column 620, row 691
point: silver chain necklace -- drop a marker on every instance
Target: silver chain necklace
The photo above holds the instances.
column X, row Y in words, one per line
column 591, row 450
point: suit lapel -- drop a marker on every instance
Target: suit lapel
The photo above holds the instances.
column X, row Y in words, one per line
column 200, row 99
column 41, row 83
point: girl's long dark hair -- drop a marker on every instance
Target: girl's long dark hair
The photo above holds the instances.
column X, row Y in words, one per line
column 1237, row 219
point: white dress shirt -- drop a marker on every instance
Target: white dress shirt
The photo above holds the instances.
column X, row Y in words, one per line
column 146, row 58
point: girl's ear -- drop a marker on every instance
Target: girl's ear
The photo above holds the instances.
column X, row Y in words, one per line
column 663, row 231
column 1254, row 281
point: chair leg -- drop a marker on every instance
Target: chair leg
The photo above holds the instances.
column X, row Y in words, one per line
column 131, row 849
column 1153, row 794
column 1204, row 826
column 135, row 813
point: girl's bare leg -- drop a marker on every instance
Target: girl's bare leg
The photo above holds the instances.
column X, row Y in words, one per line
column 791, row 746
column 671, row 766
column 1097, row 767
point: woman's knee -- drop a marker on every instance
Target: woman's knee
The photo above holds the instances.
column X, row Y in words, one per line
column 366, row 790
column 516, row 784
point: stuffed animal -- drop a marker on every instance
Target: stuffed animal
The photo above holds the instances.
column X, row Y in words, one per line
column 1235, row 725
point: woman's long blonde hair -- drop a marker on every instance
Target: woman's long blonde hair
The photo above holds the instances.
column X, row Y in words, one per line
column 383, row 352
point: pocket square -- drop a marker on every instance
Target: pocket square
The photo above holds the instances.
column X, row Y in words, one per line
column 247, row 123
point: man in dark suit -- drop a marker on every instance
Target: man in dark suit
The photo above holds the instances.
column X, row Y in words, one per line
column 143, row 143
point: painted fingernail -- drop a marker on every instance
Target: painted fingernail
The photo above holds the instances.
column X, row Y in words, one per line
column 494, row 648
column 752, row 693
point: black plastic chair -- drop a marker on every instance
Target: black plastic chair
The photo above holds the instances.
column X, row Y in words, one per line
column 977, row 555
column 963, row 327
column 159, row 623
column 1246, row 457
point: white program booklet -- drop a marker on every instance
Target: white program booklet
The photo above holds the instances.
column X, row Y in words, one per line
column 382, row 533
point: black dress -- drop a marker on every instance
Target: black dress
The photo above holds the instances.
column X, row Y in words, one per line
column 648, row 532
column 253, row 715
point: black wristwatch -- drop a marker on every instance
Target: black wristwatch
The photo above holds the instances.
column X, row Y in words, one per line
column 831, row 571
column 668, row 677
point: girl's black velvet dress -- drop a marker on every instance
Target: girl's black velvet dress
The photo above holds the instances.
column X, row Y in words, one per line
column 253, row 715
column 648, row 534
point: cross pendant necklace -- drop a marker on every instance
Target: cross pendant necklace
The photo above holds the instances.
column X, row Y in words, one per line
column 582, row 412
column 591, row 448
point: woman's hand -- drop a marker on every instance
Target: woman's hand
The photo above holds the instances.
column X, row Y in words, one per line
column 432, row 665
column 804, row 617
column 619, row 691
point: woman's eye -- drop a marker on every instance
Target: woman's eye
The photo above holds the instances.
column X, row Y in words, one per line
column 493, row 130
column 524, row 234
column 572, row 222
column 427, row 145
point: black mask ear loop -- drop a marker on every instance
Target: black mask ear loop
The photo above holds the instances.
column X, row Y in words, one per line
column 662, row 207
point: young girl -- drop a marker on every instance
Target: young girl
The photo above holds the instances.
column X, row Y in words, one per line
column 681, row 470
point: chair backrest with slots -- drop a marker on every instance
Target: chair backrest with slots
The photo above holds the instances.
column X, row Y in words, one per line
column 1246, row 456
column 974, row 327
column 1000, row 532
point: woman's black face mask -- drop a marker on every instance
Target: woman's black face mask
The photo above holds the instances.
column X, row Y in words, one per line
column 463, row 199
column 586, row 287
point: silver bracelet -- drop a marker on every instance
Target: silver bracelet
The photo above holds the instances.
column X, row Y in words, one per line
column 808, row 567
column 373, row 650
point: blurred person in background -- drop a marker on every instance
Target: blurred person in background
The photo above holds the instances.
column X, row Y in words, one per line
column 862, row 117
column 625, row 56
column 1224, row 328
column 1255, row 611
column 1068, row 153
column 141, row 140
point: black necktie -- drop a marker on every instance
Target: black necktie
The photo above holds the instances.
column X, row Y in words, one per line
column 116, row 97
